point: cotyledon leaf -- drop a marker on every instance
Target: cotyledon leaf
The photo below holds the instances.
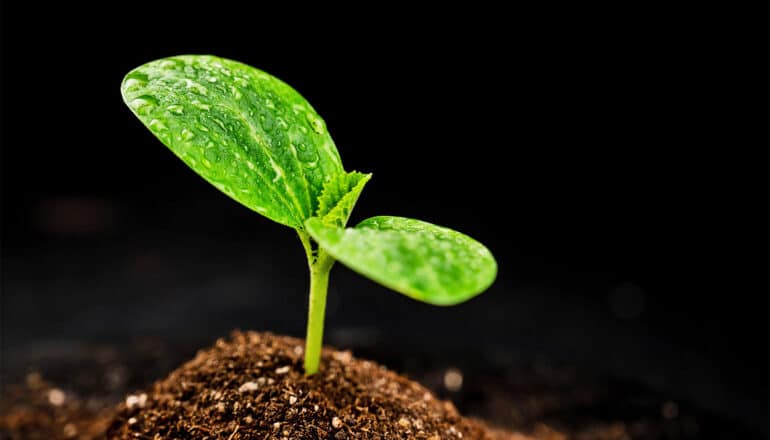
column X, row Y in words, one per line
column 243, row 130
column 426, row 262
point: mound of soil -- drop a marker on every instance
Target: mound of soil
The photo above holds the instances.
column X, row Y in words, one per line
column 252, row 386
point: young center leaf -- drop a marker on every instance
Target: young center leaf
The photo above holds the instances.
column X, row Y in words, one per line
column 426, row 262
column 339, row 196
column 243, row 130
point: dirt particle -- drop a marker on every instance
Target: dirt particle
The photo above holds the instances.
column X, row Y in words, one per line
column 343, row 356
column 248, row 387
column 282, row 370
column 56, row 397
column 336, row 423
column 292, row 400
column 136, row 401
column 404, row 423
column 452, row 431
column 453, row 379
column 70, row 430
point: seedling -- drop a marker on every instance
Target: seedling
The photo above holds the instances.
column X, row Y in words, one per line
column 258, row 141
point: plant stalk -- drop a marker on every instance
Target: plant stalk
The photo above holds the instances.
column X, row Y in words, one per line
column 319, row 282
column 320, row 264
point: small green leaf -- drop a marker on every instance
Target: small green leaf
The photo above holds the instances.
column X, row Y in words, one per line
column 243, row 130
column 339, row 196
column 421, row 260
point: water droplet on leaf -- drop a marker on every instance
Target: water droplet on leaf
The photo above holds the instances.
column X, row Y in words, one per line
column 157, row 125
column 143, row 105
column 133, row 84
column 187, row 134
column 315, row 123
column 176, row 109
column 168, row 64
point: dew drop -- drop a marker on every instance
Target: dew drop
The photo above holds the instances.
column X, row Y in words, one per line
column 241, row 81
column 132, row 84
column 212, row 155
column 267, row 122
column 187, row 134
column 176, row 109
column 138, row 75
column 315, row 123
column 195, row 87
column 141, row 106
column 307, row 155
column 200, row 105
column 219, row 123
column 157, row 125
column 168, row 64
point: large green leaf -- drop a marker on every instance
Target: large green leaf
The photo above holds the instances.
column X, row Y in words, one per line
column 245, row 131
column 421, row 260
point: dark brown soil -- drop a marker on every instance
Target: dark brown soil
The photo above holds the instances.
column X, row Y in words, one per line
column 39, row 411
column 252, row 386
column 72, row 390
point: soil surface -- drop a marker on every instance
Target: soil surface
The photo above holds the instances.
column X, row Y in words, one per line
column 252, row 386
column 81, row 391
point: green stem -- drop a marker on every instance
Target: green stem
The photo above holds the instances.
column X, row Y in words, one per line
column 320, row 265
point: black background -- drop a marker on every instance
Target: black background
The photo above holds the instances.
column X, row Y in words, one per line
column 614, row 158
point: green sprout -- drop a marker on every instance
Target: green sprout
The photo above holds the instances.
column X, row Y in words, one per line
column 257, row 140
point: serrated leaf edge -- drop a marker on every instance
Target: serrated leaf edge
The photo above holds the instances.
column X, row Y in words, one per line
column 335, row 206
